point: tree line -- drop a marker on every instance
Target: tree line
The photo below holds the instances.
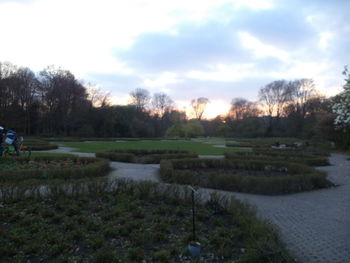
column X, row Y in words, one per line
column 54, row 102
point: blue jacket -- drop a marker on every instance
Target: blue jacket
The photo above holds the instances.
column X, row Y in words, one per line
column 12, row 135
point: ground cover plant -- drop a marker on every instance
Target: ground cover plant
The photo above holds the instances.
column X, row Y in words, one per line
column 297, row 157
column 192, row 146
column 50, row 167
column 141, row 222
column 256, row 176
column 144, row 156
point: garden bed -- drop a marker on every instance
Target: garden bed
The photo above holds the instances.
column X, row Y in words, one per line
column 248, row 176
column 276, row 155
column 140, row 222
column 292, row 151
column 144, row 156
column 46, row 168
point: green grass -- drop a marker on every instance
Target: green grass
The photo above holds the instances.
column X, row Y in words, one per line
column 197, row 147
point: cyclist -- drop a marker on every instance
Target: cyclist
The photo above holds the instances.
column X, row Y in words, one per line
column 2, row 129
column 11, row 138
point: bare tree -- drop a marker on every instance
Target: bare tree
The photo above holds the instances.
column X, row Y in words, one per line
column 274, row 96
column 140, row 98
column 301, row 91
column 198, row 106
column 97, row 97
column 242, row 108
column 162, row 103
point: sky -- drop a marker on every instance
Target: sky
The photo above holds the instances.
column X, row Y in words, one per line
column 218, row 49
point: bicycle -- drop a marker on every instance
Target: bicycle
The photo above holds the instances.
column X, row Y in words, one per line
column 22, row 149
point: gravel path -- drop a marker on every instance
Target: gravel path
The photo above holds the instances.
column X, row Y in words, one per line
column 314, row 225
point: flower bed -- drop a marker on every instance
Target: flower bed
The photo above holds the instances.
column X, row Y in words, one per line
column 44, row 168
column 267, row 156
column 257, row 176
column 144, row 156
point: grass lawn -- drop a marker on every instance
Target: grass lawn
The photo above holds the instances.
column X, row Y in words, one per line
column 193, row 146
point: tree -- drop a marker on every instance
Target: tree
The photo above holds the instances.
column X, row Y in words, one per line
column 301, row 90
column 274, row 96
column 242, row 108
column 63, row 99
column 198, row 106
column 97, row 97
column 342, row 107
column 193, row 128
column 162, row 103
column 140, row 98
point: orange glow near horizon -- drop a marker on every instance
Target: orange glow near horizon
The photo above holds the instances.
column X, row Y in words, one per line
column 214, row 108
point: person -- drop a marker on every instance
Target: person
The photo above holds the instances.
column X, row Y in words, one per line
column 2, row 129
column 11, row 138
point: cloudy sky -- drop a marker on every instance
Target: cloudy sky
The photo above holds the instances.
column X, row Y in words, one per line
column 219, row 49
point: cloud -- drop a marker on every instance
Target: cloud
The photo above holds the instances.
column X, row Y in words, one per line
column 193, row 46
column 217, row 49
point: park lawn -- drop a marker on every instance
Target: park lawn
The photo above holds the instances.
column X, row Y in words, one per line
column 196, row 147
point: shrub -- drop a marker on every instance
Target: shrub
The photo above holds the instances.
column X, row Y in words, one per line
column 38, row 145
column 223, row 232
column 257, row 176
column 239, row 144
column 89, row 167
column 267, row 156
column 144, row 156
column 295, row 151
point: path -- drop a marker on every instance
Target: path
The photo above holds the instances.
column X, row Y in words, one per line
column 314, row 225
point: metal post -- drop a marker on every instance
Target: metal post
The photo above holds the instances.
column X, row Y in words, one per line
column 193, row 216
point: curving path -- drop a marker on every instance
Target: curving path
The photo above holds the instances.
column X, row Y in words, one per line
column 314, row 225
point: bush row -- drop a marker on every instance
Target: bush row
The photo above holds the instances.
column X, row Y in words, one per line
column 239, row 144
column 39, row 145
column 94, row 167
column 278, row 156
column 297, row 177
column 102, row 139
column 291, row 151
column 144, row 156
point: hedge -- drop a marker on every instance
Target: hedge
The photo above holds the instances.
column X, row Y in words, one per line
column 38, row 145
column 144, row 156
column 95, row 167
column 239, row 144
column 266, row 156
column 297, row 177
column 296, row 151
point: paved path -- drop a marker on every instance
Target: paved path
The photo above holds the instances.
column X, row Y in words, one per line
column 314, row 225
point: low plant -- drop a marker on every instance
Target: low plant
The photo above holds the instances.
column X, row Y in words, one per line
column 38, row 145
column 255, row 176
column 48, row 168
column 152, row 238
column 267, row 156
column 144, row 156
